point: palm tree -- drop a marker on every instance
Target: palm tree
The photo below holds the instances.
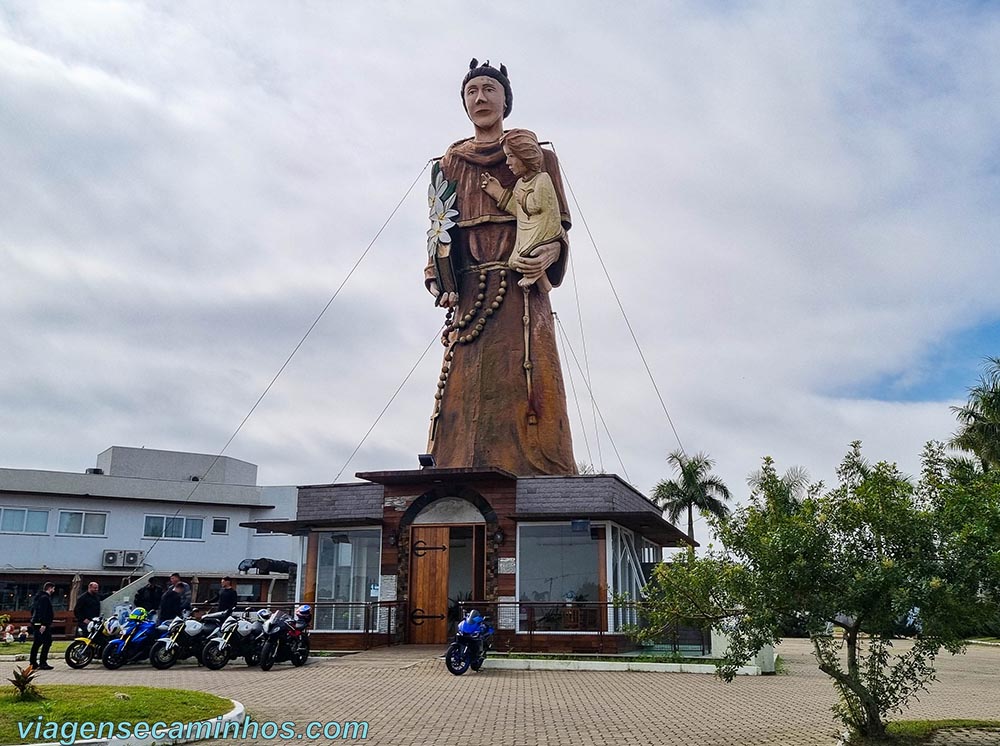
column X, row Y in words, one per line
column 785, row 492
column 695, row 487
column 980, row 418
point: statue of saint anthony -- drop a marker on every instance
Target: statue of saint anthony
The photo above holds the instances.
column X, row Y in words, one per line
column 501, row 400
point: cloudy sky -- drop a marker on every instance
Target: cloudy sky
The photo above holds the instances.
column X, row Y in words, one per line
column 797, row 204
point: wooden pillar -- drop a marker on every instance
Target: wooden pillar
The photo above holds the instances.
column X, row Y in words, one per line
column 312, row 558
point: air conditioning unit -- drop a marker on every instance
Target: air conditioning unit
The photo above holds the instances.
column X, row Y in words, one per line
column 113, row 558
column 133, row 557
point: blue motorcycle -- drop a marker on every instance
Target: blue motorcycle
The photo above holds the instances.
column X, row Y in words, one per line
column 473, row 639
column 138, row 634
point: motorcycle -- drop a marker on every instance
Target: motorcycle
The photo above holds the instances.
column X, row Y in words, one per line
column 185, row 637
column 138, row 634
column 238, row 637
column 473, row 639
column 91, row 644
column 286, row 638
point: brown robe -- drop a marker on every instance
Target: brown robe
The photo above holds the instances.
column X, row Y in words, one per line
column 486, row 418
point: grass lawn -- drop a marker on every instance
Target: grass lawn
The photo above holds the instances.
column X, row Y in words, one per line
column 916, row 732
column 985, row 639
column 19, row 648
column 72, row 703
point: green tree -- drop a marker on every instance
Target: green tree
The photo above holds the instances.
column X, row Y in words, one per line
column 695, row 487
column 875, row 551
column 979, row 419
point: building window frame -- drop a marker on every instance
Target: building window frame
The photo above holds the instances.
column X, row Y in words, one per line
column 599, row 568
column 225, row 530
column 85, row 515
column 349, row 618
column 185, row 523
column 13, row 509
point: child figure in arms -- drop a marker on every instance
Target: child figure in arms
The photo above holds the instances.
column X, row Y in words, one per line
column 532, row 201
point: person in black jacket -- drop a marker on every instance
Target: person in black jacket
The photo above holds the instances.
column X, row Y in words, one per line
column 42, row 616
column 88, row 607
column 170, row 604
column 227, row 596
column 148, row 597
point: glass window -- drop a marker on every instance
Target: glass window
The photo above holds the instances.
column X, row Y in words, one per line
column 12, row 519
column 94, row 523
column 70, row 523
column 173, row 528
column 220, row 525
column 153, row 527
column 37, row 522
column 558, row 570
column 348, row 567
column 627, row 578
column 82, row 524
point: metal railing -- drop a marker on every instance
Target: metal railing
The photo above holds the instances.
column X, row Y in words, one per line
column 385, row 623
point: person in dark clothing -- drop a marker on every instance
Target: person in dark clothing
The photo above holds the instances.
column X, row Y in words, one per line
column 227, row 596
column 88, row 607
column 184, row 590
column 42, row 616
column 170, row 604
column 148, row 597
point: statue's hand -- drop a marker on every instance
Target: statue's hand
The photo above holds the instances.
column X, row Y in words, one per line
column 542, row 257
column 491, row 186
column 445, row 301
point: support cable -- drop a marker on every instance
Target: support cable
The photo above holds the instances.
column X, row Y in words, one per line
column 435, row 338
column 586, row 362
column 607, row 430
column 621, row 307
column 576, row 399
column 295, row 349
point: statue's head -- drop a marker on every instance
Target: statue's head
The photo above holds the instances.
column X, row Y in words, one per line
column 522, row 145
column 486, row 93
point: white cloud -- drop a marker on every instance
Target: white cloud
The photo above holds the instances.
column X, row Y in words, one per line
column 793, row 203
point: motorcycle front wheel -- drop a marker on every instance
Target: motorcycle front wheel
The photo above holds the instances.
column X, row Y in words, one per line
column 301, row 652
column 113, row 658
column 457, row 658
column 162, row 657
column 213, row 655
column 79, row 654
column 267, row 654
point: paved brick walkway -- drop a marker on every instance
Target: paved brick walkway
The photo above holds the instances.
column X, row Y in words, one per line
column 409, row 698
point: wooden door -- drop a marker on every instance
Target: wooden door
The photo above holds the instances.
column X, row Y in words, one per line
column 429, row 584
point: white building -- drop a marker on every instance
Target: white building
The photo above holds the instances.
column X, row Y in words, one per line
column 140, row 510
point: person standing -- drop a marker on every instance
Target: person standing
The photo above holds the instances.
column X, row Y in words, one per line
column 88, row 607
column 184, row 590
column 170, row 604
column 227, row 596
column 148, row 597
column 42, row 616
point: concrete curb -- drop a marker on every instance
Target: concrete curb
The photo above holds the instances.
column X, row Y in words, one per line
column 529, row 664
column 238, row 713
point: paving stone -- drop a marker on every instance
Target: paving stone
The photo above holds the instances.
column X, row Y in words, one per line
column 408, row 697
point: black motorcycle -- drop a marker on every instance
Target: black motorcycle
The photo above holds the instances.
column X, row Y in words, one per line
column 185, row 637
column 473, row 639
column 286, row 638
column 237, row 638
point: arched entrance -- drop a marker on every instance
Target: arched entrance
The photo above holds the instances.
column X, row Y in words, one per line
column 447, row 565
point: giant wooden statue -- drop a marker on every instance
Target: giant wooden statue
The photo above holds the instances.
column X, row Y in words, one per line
column 497, row 246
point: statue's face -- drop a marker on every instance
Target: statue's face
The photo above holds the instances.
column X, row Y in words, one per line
column 484, row 101
column 515, row 164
